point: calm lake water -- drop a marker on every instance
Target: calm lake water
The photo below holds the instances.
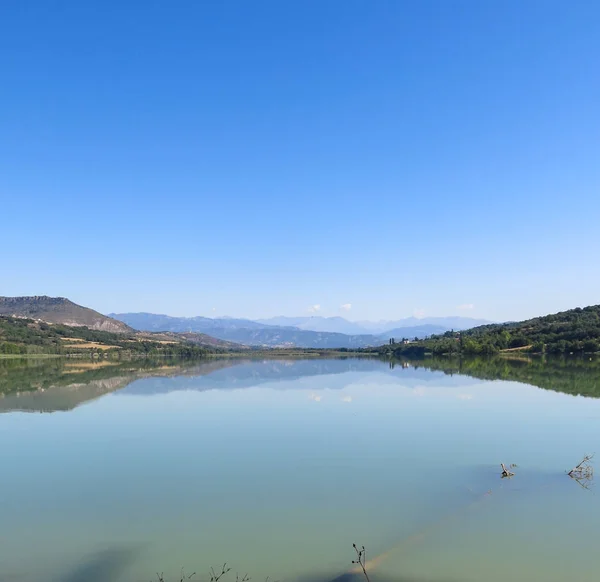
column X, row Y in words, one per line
column 277, row 467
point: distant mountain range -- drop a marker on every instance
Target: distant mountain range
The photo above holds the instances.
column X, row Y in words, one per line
column 305, row 332
column 222, row 333
column 41, row 324
column 341, row 325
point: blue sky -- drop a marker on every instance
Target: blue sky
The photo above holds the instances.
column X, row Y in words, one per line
column 259, row 158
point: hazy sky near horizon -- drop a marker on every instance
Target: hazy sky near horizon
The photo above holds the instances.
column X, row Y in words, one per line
column 371, row 159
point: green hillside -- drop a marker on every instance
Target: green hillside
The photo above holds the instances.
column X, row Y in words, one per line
column 25, row 336
column 573, row 331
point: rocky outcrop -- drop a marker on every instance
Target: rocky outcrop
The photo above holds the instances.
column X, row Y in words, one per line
column 60, row 310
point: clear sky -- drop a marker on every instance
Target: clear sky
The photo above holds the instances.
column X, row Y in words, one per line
column 258, row 158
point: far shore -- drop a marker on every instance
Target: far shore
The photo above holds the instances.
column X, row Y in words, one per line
column 248, row 354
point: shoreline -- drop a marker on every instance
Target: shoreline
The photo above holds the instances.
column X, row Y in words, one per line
column 249, row 354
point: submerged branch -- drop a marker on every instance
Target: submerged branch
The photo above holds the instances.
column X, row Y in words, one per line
column 361, row 555
column 583, row 473
column 506, row 472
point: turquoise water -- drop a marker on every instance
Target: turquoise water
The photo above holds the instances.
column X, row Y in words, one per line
column 277, row 467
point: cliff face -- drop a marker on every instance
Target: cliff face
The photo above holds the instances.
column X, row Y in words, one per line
column 59, row 310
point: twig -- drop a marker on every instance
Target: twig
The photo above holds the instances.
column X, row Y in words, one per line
column 214, row 577
column 583, row 483
column 361, row 560
column 182, row 577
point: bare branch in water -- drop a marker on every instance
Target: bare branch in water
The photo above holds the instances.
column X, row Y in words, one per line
column 182, row 577
column 214, row 577
column 583, row 473
column 506, row 472
column 583, row 468
column 361, row 559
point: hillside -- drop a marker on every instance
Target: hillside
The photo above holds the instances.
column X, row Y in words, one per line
column 60, row 310
column 27, row 336
column 573, row 331
column 200, row 339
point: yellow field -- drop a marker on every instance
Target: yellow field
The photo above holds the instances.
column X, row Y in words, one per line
column 75, row 367
column 521, row 349
column 89, row 345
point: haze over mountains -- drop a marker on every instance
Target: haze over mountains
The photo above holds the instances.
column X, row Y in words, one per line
column 42, row 324
column 342, row 325
column 301, row 332
column 306, row 332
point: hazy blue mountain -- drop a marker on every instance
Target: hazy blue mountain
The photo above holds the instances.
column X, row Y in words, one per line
column 446, row 323
column 253, row 333
column 341, row 325
column 294, row 337
column 318, row 323
column 155, row 322
column 419, row 331
column 247, row 332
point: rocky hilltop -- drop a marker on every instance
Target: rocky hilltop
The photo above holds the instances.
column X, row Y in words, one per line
column 59, row 310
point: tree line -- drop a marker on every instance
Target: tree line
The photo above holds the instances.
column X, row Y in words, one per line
column 573, row 331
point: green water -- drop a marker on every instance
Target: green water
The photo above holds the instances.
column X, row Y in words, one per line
column 276, row 467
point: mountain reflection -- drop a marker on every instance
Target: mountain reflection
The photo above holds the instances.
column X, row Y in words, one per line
column 61, row 385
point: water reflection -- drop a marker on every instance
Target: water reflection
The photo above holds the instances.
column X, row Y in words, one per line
column 277, row 466
column 356, row 577
column 61, row 385
column 103, row 566
column 579, row 376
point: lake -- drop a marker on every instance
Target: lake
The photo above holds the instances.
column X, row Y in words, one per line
column 276, row 467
